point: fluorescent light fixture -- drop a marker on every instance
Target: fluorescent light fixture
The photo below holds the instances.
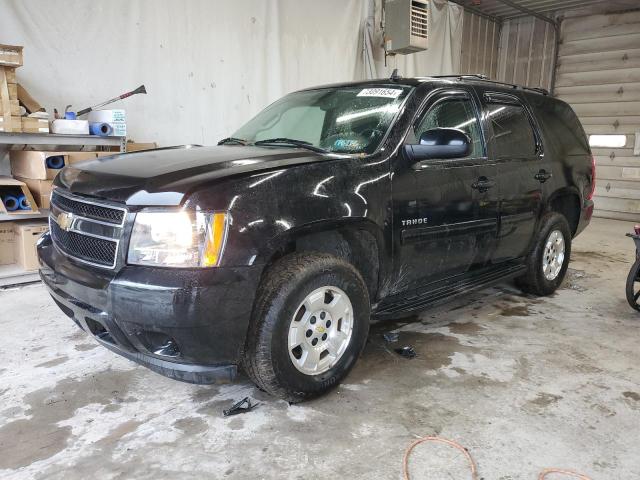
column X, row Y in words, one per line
column 610, row 141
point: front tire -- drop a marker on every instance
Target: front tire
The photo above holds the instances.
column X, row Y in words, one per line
column 309, row 325
column 548, row 260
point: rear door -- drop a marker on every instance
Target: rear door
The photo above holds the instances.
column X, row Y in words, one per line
column 515, row 146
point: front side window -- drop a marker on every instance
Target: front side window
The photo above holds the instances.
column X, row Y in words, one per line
column 512, row 131
column 455, row 113
column 341, row 120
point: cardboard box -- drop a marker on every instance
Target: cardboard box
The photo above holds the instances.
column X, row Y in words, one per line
column 7, row 243
column 27, row 234
column 75, row 157
column 35, row 125
column 33, row 164
column 40, row 190
column 30, row 103
column 137, row 147
column 11, row 186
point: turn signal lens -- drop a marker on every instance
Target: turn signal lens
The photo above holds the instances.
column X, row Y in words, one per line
column 215, row 240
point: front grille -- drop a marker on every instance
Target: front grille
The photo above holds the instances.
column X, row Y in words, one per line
column 90, row 249
column 88, row 210
column 85, row 230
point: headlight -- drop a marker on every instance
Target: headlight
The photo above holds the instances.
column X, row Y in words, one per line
column 178, row 239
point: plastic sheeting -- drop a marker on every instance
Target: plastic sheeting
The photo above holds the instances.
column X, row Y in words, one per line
column 208, row 65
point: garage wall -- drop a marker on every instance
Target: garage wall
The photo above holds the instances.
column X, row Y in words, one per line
column 208, row 65
column 480, row 41
column 599, row 75
column 526, row 52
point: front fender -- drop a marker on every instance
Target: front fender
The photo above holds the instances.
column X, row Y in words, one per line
column 270, row 208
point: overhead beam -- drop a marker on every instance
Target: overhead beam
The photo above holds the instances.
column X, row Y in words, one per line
column 528, row 11
column 477, row 11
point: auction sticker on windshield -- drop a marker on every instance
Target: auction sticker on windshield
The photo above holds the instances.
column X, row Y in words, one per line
column 380, row 92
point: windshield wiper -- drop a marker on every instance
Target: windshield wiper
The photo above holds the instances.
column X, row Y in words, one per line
column 290, row 141
column 233, row 140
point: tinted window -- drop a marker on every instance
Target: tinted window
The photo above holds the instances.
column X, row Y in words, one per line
column 560, row 125
column 512, row 131
column 453, row 113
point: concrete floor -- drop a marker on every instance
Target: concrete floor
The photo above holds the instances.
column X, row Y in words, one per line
column 524, row 383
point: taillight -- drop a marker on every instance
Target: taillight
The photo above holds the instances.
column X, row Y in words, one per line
column 593, row 178
column 636, row 228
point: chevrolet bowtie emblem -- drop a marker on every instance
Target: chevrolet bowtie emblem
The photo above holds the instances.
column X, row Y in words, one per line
column 64, row 221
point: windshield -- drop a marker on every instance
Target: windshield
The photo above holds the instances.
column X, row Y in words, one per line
column 341, row 120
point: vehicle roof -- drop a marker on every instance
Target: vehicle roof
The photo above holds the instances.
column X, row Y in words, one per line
column 478, row 80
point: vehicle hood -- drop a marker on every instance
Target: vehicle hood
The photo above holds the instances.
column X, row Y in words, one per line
column 165, row 176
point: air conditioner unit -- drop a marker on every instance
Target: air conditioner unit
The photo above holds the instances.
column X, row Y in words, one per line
column 406, row 25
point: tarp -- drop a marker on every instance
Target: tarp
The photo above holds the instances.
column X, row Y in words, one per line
column 208, row 65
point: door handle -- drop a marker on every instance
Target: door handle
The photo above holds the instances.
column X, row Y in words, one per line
column 483, row 184
column 542, row 176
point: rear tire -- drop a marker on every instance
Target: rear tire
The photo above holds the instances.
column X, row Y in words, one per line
column 301, row 312
column 548, row 260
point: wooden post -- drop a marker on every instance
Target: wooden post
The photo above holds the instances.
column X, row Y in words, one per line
column 5, row 103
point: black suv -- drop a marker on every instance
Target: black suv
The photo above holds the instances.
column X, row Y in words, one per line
column 333, row 205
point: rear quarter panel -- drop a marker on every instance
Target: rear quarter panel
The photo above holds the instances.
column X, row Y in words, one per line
column 566, row 144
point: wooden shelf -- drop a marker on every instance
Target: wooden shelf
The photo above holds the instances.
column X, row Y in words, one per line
column 6, row 217
column 14, row 274
column 52, row 139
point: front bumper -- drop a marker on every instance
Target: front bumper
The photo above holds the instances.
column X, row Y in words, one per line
column 186, row 324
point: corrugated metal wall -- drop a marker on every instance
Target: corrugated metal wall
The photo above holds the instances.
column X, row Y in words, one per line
column 526, row 52
column 479, row 45
column 599, row 75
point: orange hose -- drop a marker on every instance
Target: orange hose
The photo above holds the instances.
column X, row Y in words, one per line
column 571, row 473
column 405, row 460
column 472, row 463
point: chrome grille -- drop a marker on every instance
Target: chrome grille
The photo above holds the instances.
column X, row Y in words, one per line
column 86, row 230
column 89, row 210
column 90, row 249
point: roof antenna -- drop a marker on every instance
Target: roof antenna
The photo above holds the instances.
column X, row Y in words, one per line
column 394, row 75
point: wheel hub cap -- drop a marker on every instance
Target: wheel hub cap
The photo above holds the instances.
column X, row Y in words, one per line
column 320, row 330
column 553, row 256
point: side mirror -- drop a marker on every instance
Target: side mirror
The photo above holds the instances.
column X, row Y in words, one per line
column 440, row 143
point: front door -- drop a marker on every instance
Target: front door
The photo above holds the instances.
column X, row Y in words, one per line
column 444, row 210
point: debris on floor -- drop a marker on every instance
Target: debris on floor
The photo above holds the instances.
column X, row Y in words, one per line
column 391, row 337
column 406, row 352
column 240, row 407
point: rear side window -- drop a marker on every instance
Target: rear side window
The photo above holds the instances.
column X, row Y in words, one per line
column 513, row 134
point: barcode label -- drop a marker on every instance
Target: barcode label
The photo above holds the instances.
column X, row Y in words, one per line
column 380, row 92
